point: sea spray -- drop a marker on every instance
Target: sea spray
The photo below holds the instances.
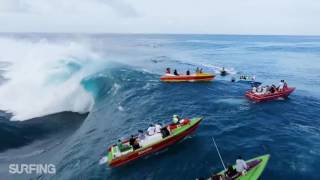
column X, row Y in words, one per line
column 44, row 77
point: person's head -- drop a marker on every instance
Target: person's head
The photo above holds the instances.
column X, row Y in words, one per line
column 119, row 140
column 132, row 136
column 230, row 167
column 176, row 116
column 239, row 157
column 150, row 125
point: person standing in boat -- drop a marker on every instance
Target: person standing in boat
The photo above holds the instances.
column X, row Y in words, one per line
column 241, row 165
column 175, row 72
column 188, row 72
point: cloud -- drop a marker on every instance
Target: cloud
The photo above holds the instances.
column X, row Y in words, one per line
column 12, row 6
column 119, row 7
column 122, row 8
column 163, row 16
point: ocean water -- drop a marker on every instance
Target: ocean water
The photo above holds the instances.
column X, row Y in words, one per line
column 65, row 98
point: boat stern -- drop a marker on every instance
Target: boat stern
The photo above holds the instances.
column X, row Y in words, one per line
column 256, row 172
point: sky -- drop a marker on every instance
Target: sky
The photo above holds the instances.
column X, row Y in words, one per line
column 283, row 17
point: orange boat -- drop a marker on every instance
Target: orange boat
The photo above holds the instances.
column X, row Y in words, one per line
column 198, row 77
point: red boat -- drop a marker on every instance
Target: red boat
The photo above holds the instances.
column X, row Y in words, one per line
column 187, row 78
column 120, row 154
column 270, row 96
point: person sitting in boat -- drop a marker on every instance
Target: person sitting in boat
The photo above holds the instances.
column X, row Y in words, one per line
column 122, row 147
column 168, row 71
column 285, row 86
column 197, row 70
column 133, row 142
column 230, row 172
column 241, row 165
column 259, row 90
column 254, row 89
column 151, row 130
column 188, row 72
column 281, row 85
column 267, row 89
column 218, row 177
column 175, row 72
column 175, row 119
column 264, row 90
column 157, row 127
column 141, row 135
column 273, row 89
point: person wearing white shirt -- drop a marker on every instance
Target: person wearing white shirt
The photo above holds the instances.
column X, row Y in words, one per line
column 254, row 89
column 281, row 84
column 175, row 119
column 241, row 165
column 264, row 90
column 151, row 130
column 157, row 128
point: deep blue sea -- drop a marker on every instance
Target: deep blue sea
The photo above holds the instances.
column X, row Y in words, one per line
column 65, row 98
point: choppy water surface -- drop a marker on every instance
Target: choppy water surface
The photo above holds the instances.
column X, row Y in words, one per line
column 48, row 79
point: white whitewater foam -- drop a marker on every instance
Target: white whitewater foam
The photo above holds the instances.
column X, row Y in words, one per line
column 30, row 91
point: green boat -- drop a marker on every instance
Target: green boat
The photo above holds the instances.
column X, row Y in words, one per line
column 256, row 167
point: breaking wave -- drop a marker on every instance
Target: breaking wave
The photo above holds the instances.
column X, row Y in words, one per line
column 41, row 77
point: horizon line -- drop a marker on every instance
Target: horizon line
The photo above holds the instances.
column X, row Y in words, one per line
column 151, row 33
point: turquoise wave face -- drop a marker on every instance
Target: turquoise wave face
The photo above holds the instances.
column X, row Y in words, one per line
column 65, row 69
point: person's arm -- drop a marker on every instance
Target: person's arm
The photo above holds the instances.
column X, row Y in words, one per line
column 245, row 165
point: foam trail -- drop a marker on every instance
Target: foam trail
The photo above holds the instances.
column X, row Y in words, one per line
column 217, row 69
column 44, row 77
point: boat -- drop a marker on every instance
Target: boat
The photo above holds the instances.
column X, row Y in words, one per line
column 223, row 73
column 170, row 134
column 197, row 77
column 247, row 80
column 270, row 96
column 255, row 168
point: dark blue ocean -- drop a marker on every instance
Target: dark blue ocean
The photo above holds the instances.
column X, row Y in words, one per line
column 65, row 98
